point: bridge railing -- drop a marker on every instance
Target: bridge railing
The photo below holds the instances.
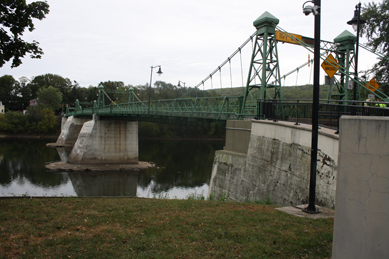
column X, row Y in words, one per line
column 211, row 108
column 300, row 111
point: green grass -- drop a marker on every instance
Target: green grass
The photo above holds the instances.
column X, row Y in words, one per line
column 152, row 228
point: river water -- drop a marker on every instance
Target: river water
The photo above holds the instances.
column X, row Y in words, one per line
column 182, row 168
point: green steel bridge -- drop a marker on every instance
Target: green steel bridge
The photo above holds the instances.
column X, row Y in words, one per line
column 263, row 82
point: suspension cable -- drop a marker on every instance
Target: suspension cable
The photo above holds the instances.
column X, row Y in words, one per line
column 232, row 55
column 221, row 82
column 241, row 65
column 230, row 72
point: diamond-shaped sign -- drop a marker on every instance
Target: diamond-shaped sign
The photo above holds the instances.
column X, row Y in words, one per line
column 372, row 85
column 330, row 65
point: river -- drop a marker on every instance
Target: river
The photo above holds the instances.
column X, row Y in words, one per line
column 183, row 168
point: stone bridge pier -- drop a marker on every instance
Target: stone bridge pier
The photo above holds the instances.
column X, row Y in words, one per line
column 100, row 140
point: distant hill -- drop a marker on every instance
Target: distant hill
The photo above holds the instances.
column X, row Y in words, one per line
column 289, row 92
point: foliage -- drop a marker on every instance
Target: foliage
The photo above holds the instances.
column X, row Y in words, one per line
column 188, row 130
column 47, row 123
column 63, row 85
column 39, row 120
column 15, row 17
column 288, row 92
column 50, row 97
column 376, row 30
column 8, row 90
column 151, row 228
column 12, row 122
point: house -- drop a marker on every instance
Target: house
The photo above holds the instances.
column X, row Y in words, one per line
column 33, row 102
column 2, row 108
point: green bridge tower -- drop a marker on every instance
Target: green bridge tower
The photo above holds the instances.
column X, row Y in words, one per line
column 264, row 73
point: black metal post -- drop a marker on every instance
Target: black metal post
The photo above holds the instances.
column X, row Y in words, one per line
column 151, row 78
column 315, row 108
column 297, row 113
column 358, row 9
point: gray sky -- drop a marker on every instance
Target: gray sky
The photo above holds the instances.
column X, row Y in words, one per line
column 97, row 40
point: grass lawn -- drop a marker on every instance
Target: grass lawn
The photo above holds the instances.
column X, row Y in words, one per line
column 156, row 228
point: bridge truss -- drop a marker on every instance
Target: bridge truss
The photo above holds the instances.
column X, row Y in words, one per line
column 263, row 82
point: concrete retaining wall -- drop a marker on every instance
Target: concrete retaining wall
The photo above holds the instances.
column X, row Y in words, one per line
column 105, row 142
column 277, row 166
column 361, row 227
column 238, row 136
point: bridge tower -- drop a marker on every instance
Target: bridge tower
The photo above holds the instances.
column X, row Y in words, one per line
column 264, row 72
column 345, row 51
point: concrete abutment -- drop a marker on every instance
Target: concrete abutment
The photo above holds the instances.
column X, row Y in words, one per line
column 271, row 160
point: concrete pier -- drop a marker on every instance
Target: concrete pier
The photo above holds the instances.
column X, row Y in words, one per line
column 106, row 142
column 100, row 145
column 70, row 128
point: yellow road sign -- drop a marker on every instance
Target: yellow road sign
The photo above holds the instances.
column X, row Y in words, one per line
column 372, row 85
column 330, row 65
column 280, row 36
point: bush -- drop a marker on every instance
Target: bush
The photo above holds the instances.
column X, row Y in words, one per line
column 13, row 122
column 47, row 122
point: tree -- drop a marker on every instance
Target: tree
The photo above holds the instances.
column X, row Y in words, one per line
column 9, row 88
column 64, row 85
column 376, row 30
column 15, row 17
column 50, row 97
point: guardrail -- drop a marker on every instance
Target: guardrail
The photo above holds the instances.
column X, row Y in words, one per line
column 300, row 111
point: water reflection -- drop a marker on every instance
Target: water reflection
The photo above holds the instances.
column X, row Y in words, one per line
column 24, row 160
column 182, row 164
column 104, row 183
column 182, row 167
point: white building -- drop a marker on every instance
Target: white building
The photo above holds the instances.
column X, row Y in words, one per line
column 2, row 108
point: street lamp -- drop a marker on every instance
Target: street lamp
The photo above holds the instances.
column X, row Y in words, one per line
column 159, row 72
column 356, row 21
column 179, row 81
column 315, row 10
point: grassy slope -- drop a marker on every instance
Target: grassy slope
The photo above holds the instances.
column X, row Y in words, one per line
column 152, row 228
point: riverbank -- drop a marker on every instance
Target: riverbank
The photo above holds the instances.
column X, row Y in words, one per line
column 29, row 136
column 151, row 228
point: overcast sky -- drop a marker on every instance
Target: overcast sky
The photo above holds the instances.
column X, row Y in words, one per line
column 91, row 41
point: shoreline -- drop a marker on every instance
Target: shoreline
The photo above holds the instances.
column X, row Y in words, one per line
column 2, row 136
column 64, row 166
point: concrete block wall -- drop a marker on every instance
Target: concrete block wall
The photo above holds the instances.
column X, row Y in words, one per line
column 361, row 228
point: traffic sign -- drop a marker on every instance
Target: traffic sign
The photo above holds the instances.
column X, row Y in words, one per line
column 372, row 85
column 280, row 36
column 330, row 65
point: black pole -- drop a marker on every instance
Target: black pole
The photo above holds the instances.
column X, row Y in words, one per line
column 315, row 108
column 151, row 76
column 358, row 7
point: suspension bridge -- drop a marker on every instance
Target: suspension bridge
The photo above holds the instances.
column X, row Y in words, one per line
column 263, row 82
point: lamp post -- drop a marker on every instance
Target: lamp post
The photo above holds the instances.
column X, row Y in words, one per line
column 356, row 21
column 159, row 72
column 315, row 10
column 179, row 85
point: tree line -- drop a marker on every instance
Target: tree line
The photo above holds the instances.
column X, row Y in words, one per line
column 53, row 93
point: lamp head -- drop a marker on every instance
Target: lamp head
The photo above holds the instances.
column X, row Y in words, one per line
column 354, row 21
column 159, row 72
